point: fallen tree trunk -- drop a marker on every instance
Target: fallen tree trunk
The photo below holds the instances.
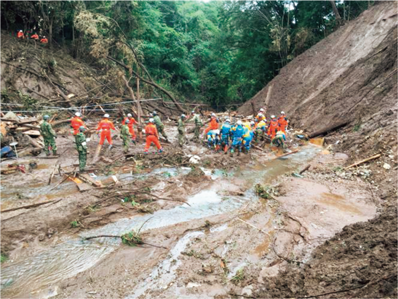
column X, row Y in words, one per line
column 33, row 142
column 328, row 129
column 31, row 206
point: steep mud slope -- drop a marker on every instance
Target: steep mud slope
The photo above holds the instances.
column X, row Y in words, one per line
column 348, row 76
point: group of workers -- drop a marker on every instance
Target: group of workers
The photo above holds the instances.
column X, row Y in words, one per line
column 234, row 135
column 34, row 36
column 238, row 136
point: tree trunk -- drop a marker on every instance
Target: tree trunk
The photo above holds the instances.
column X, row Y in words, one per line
column 139, row 109
column 336, row 12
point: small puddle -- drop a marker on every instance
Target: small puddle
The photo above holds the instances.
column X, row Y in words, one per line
column 67, row 259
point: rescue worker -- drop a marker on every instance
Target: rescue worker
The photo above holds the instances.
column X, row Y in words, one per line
column 213, row 125
column 77, row 122
column 198, row 125
column 246, row 123
column 35, row 36
column 260, row 117
column 181, row 130
column 283, row 122
column 44, row 40
column 237, row 134
column 152, row 136
column 81, row 146
column 279, row 140
column 213, row 139
column 259, row 131
column 20, row 35
column 125, row 135
column 225, row 133
column 104, row 129
column 247, row 139
column 131, row 122
column 273, row 126
column 159, row 125
column 49, row 136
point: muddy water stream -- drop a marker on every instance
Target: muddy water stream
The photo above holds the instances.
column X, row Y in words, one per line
column 75, row 255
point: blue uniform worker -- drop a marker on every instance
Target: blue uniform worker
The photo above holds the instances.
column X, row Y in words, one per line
column 237, row 137
column 225, row 133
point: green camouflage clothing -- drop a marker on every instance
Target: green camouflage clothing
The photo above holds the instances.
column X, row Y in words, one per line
column 181, row 132
column 81, row 147
column 49, row 135
column 159, row 126
column 198, row 125
column 126, row 136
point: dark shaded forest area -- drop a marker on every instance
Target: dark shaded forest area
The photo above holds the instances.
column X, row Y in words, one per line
column 219, row 53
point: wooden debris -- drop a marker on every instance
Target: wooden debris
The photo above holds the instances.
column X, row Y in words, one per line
column 363, row 161
column 31, row 206
column 328, row 129
column 305, row 169
column 87, row 179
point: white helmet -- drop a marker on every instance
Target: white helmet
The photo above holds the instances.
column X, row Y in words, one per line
column 252, row 123
column 106, row 115
column 260, row 114
column 272, row 116
column 129, row 115
column 282, row 112
column 78, row 114
column 151, row 120
column 262, row 110
column 212, row 114
column 193, row 111
column 227, row 120
column 239, row 122
column 20, row 30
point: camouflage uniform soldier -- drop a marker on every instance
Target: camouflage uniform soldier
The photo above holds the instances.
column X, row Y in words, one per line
column 159, row 125
column 198, row 125
column 81, row 146
column 49, row 136
column 181, row 130
column 126, row 136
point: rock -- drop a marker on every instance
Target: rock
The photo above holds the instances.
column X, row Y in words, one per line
column 41, row 237
column 194, row 160
column 207, row 268
column 247, row 291
column 386, row 166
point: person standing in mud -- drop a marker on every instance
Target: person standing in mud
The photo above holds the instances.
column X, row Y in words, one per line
column 198, row 125
column 125, row 135
column 279, row 140
column 181, row 130
column 159, row 125
column 81, row 146
column 131, row 122
column 237, row 136
column 49, row 136
column 76, row 122
column 152, row 136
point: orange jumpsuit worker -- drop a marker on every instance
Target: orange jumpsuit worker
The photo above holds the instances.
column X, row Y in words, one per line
column 152, row 136
column 76, row 123
column 44, row 40
column 35, row 36
column 132, row 121
column 283, row 122
column 20, row 34
column 213, row 125
column 104, row 128
column 273, row 126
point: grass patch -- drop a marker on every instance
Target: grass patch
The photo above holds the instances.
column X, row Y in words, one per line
column 3, row 257
column 239, row 276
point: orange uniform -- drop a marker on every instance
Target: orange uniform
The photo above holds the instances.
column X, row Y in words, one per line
column 106, row 126
column 273, row 126
column 34, row 36
column 212, row 126
column 76, row 123
column 44, row 41
column 132, row 122
column 282, row 121
column 20, row 35
column 151, row 136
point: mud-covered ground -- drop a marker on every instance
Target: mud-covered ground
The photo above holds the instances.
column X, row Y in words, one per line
column 246, row 247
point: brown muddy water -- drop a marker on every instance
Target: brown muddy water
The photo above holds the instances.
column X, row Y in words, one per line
column 34, row 274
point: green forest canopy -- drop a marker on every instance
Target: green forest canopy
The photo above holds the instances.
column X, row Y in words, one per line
column 220, row 53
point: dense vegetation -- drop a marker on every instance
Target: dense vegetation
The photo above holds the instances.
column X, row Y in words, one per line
column 217, row 52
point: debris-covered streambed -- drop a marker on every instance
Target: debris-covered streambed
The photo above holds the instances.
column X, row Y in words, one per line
column 221, row 237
